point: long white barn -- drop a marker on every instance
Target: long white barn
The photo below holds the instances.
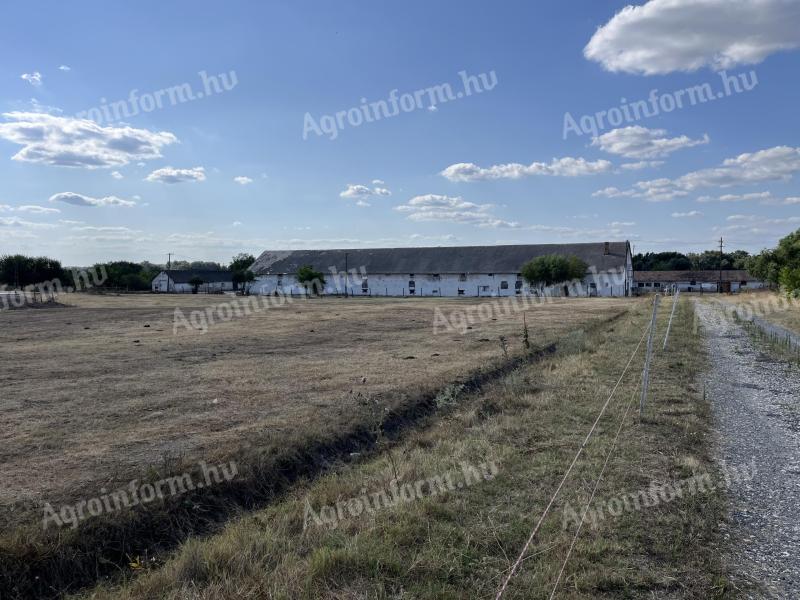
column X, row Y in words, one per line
column 444, row 271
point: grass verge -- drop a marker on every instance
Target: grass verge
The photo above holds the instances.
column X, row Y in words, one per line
column 451, row 541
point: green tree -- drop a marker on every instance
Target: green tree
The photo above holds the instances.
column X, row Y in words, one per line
column 240, row 267
column 196, row 282
column 551, row 269
column 19, row 270
column 313, row 281
column 245, row 278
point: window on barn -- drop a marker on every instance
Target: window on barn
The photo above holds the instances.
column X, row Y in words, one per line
column 462, row 277
column 491, row 274
column 743, row 283
column 460, row 292
column 641, row 284
column 364, row 286
column 411, row 275
column 503, row 285
column 693, row 283
column 484, row 288
column 411, row 284
column 436, row 277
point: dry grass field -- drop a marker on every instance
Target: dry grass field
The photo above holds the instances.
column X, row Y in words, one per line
column 459, row 544
column 92, row 393
column 773, row 307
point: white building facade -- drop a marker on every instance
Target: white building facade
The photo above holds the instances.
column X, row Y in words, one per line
column 732, row 281
column 177, row 282
column 473, row 271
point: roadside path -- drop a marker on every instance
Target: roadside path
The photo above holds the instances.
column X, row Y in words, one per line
column 756, row 406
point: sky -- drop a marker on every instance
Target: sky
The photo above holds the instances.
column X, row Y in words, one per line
column 203, row 129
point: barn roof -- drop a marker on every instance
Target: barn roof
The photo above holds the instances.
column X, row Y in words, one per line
column 186, row 275
column 440, row 259
column 699, row 276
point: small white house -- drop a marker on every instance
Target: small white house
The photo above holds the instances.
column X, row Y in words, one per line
column 470, row 271
column 696, row 281
column 177, row 281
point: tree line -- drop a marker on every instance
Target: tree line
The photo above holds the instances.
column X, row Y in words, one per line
column 780, row 266
column 703, row 261
column 18, row 271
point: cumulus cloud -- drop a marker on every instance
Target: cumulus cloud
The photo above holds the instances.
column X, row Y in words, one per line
column 773, row 164
column 35, row 78
column 172, row 175
column 687, row 215
column 558, row 167
column 360, row 193
column 663, row 36
column 435, row 207
column 242, row 180
column 37, row 210
column 81, row 200
column 17, row 222
column 64, row 68
column 117, row 175
column 737, row 197
column 642, row 143
column 70, row 142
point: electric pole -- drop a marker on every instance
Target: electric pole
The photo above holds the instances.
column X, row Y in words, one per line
column 720, row 265
column 169, row 266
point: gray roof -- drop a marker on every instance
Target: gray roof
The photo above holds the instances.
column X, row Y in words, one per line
column 441, row 259
column 699, row 276
column 185, row 275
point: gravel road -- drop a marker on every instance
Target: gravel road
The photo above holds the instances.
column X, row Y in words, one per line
column 756, row 407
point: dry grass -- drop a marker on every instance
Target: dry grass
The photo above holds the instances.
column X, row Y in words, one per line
column 104, row 388
column 460, row 544
column 772, row 306
column 97, row 392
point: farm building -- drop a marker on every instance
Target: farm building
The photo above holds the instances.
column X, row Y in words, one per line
column 696, row 281
column 177, row 281
column 444, row 271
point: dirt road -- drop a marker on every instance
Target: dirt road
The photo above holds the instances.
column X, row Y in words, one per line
column 756, row 404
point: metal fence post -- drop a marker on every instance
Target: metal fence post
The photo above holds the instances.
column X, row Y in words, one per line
column 669, row 325
column 646, row 372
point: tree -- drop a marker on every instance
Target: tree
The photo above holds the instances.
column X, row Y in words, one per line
column 551, row 269
column 243, row 277
column 196, row 282
column 19, row 270
column 240, row 267
column 313, row 281
column 780, row 266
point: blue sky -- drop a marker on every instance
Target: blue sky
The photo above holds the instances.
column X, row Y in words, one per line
column 233, row 171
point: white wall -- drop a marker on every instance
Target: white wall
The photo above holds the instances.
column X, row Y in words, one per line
column 160, row 281
column 445, row 285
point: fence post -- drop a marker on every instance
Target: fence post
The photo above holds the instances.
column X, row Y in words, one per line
column 646, row 372
column 669, row 325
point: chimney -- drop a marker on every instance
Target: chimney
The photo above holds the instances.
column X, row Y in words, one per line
column 607, row 249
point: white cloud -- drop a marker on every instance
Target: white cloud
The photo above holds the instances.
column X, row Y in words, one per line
column 81, row 200
column 37, row 210
column 687, row 215
column 558, row 167
column 793, row 200
column 642, row 143
column 71, row 142
column 237, row 223
column 360, row 193
column 172, row 175
column 35, row 78
column 17, row 222
column 117, row 175
column 736, row 197
column 242, row 180
column 434, row 207
column 64, row 68
column 663, row 36
column 378, row 182
column 642, row 164
column 773, row 164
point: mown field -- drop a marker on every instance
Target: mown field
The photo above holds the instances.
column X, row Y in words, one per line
column 104, row 391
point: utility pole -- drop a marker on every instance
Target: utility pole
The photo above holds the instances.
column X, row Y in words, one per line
column 169, row 267
column 720, row 265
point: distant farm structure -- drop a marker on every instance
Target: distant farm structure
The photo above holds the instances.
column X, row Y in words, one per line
column 187, row 281
column 696, row 281
column 468, row 271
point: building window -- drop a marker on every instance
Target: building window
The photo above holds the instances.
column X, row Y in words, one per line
column 411, row 275
column 460, row 292
column 411, row 284
column 462, row 277
column 693, row 283
column 484, row 288
column 436, row 277
column 518, row 285
column 743, row 283
column 491, row 274
column 519, row 276
column 503, row 285
column 641, row 284
column 364, row 286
